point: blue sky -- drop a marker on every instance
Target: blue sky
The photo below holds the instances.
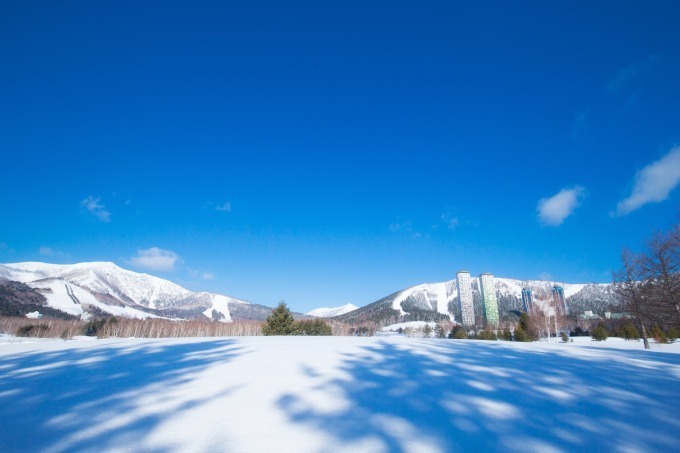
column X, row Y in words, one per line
column 326, row 153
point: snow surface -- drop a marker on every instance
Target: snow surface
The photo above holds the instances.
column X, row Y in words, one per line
column 330, row 312
column 431, row 291
column 337, row 394
column 407, row 325
column 221, row 305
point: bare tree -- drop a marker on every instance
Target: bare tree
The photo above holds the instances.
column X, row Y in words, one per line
column 662, row 275
column 630, row 286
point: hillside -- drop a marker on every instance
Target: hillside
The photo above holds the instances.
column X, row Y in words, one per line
column 84, row 289
column 439, row 301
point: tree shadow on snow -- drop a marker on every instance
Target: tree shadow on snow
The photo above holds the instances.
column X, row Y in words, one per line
column 100, row 395
column 457, row 395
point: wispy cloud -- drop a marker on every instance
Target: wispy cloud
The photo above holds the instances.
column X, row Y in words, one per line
column 96, row 208
column 581, row 125
column 405, row 227
column 653, row 183
column 401, row 226
column 156, row 259
column 207, row 276
column 46, row 251
column 554, row 210
column 224, row 207
column 450, row 221
column 627, row 74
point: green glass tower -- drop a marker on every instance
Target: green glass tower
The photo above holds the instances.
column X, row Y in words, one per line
column 487, row 287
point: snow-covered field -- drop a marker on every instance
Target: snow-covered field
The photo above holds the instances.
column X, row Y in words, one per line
column 320, row 394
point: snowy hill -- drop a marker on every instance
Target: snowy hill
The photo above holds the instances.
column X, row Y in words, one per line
column 439, row 301
column 85, row 288
column 330, row 312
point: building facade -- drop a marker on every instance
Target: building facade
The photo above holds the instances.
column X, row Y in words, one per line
column 528, row 300
column 487, row 286
column 467, row 308
column 558, row 301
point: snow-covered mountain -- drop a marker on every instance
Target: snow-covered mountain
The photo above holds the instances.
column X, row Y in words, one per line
column 84, row 288
column 439, row 301
column 330, row 312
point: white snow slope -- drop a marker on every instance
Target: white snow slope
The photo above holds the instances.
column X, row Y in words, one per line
column 336, row 394
column 329, row 312
column 72, row 287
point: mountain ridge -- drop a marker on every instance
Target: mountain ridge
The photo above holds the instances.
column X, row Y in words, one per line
column 93, row 288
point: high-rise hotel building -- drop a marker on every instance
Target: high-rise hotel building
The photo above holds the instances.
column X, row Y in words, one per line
column 528, row 300
column 558, row 301
column 467, row 308
column 489, row 302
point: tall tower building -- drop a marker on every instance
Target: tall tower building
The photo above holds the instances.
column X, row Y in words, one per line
column 467, row 309
column 489, row 302
column 528, row 300
column 558, row 301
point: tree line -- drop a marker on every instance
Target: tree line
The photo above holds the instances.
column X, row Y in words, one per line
column 125, row 328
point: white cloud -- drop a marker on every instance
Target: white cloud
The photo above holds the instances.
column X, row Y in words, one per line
column 224, row 207
column 450, row 221
column 156, row 259
column 627, row 74
column 46, row 251
column 653, row 183
column 554, row 210
column 400, row 226
column 97, row 209
column 207, row 276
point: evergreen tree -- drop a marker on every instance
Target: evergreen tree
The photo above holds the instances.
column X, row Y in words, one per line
column 629, row 332
column 599, row 333
column 565, row 337
column 507, row 335
column 427, row 331
column 439, row 331
column 280, row 322
column 525, row 324
column 458, row 333
column 658, row 334
column 520, row 334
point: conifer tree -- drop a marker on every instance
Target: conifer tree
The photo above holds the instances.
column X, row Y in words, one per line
column 599, row 333
column 279, row 322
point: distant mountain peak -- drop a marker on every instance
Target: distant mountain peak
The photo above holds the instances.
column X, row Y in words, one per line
column 330, row 312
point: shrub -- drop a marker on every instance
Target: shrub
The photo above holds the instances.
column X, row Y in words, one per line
column 599, row 333
column 312, row 327
column 658, row 335
column 487, row 335
column 629, row 332
column 458, row 333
